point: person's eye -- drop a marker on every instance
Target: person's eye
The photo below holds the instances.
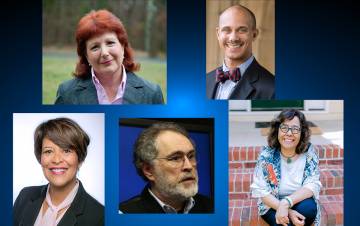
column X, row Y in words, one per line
column 67, row 151
column 94, row 48
column 47, row 151
column 191, row 156
column 175, row 158
column 111, row 43
column 226, row 30
column 243, row 30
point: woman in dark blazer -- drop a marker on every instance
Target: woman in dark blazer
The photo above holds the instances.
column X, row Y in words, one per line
column 60, row 147
column 105, row 71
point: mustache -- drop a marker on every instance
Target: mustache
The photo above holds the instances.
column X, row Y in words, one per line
column 188, row 177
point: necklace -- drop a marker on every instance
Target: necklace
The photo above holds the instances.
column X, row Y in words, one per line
column 288, row 159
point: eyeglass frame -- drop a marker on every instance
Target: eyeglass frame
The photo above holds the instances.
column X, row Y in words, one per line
column 182, row 161
column 290, row 128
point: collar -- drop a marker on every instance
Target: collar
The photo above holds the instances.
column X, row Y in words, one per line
column 66, row 202
column 51, row 215
column 242, row 66
column 102, row 97
column 76, row 208
column 169, row 209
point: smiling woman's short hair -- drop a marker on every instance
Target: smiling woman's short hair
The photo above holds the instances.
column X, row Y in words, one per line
column 63, row 132
column 289, row 114
column 97, row 23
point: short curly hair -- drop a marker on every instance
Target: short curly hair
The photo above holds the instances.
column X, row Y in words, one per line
column 65, row 133
column 289, row 114
column 145, row 150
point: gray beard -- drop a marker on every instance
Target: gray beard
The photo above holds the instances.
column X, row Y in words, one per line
column 175, row 191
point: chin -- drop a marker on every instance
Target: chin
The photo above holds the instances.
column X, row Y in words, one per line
column 289, row 146
column 189, row 192
column 59, row 183
column 235, row 57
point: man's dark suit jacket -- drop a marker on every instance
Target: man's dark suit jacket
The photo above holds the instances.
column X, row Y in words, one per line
column 145, row 203
column 256, row 83
column 83, row 91
column 83, row 211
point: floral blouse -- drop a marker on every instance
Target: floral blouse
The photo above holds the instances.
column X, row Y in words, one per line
column 267, row 175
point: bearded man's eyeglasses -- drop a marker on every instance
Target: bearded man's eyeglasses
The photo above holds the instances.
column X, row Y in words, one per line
column 178, row 159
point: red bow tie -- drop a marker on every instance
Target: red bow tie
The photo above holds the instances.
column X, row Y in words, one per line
column 234, row 75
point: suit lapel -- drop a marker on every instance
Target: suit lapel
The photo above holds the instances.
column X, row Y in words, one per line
column 133, row 90
column 86, row 92
column 149, row 202
column 245, row 88
column 242, row 90
column 69, row 219
column 33, row 208
column 211, row 85
column 76, row 208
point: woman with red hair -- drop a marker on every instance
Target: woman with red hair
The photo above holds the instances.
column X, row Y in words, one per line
column 104, row 73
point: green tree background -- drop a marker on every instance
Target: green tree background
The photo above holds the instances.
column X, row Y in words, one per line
column 145, row 22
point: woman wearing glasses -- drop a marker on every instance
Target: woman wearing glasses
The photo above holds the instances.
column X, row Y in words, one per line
column 286, row 178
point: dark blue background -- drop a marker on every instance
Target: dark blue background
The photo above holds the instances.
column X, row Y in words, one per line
column 130, row 184
column 317, row 57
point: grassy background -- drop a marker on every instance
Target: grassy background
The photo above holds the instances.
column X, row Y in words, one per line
column 58, row 67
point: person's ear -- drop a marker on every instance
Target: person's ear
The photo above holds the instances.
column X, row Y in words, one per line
column 255, row 33
column 79, row 165
column 148, row 171
column 218, row 32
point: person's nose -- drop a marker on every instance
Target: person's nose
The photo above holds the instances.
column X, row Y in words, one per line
column 187, row 164
column 289, row 132
column 104, row 51
column 233, row 36
column 57, row 157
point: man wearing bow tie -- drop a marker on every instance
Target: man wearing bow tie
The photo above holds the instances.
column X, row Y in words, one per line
column 240, row 77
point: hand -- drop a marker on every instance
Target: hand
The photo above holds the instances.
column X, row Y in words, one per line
column 282, row 213
column 296, row 218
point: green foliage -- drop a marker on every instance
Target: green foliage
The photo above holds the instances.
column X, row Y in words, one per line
column 55, row 69
column 145, row 21
column 59, row 67
column 155, row 72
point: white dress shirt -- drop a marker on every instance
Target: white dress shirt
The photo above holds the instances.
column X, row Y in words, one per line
column 225, row 89
column 169, row 209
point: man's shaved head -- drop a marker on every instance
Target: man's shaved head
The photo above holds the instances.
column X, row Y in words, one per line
column 241, row 9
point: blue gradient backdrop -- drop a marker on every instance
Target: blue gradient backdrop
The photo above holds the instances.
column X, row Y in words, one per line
column 317, row 52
